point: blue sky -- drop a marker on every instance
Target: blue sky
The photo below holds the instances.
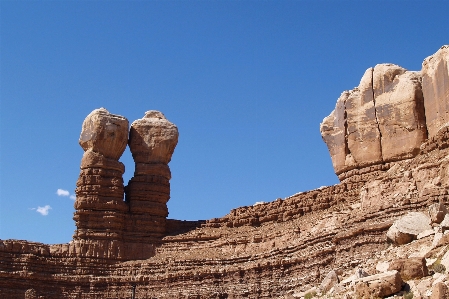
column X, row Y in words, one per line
column 246, row 82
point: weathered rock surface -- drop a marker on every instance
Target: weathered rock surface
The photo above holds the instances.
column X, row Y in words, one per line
column 382, row 120
column 104, row 133
column 271, row 250
column 410, row 268
column 379, row 285
column 440, row 291
column 329, row 281
column 100, row 210
column 435, row 81
column 408, row 227
column 437, row 212
column 152, row 141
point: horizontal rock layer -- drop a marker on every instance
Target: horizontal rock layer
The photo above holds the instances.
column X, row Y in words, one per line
column 287, row 250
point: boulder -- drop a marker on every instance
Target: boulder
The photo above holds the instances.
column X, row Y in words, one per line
column 437, row 212
column 435, row 83
column 445, row 223
column 329, row 281
column 380, row 285
column 407, row 228
column 410, row 268
column 440, row 291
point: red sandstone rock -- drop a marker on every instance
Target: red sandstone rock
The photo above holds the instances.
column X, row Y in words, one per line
column 399, row 111
column 411, row 268
column 379, row 285
column 271, row 250
column 152, row 141
column 100, row 209
column 437, row 212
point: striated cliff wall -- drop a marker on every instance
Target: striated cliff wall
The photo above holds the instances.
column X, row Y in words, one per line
column 388, row 147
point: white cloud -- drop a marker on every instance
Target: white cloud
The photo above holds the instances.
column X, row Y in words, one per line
column 62, row 192
column 43, row 210
column 73, row 196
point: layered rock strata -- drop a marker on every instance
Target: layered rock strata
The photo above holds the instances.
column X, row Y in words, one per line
column 100, row 209
column 273, row 250
column 152, row 141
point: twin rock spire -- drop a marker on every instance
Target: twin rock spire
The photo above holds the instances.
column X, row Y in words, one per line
column 101, row 213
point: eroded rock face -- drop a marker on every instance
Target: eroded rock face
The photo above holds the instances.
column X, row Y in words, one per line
column 104, row 133
column 99, row 194
column 435, row 81
column 379, row 285
column 382, row 120
column 408, row 228
column 152, row 141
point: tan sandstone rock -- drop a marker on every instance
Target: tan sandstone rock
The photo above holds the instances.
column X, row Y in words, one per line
column 328, row 282
column 408, row 227
column 410, row 268
column 379, row 285
column 104, row 133
column 440, row 291
column 399, row 110
column 379, row 121
column 437, row 212
column 435, row 82
column 152, row 139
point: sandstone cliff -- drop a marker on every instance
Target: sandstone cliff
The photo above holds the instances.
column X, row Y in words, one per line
column 388, row 116
column 389, row 143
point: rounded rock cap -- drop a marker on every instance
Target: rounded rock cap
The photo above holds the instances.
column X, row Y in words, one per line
column 152, row 139
column 104, row 133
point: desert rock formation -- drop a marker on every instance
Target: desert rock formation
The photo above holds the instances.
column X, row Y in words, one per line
column 152, row 141
column 380, row 121
column 391, row 154
column 435, row 81
column 100, row 210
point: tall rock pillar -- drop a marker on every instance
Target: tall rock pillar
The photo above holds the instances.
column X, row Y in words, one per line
column 100, row 209
column 152, row 141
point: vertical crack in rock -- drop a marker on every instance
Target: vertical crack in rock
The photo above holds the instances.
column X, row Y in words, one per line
column 375, row 115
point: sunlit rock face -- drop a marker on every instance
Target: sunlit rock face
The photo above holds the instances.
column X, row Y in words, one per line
column 104, row 133
column 100, row 209
column 152, row 141
column 380, row 121
column 435, row 81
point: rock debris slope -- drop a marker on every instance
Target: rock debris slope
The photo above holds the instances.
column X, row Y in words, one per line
column 389, row 143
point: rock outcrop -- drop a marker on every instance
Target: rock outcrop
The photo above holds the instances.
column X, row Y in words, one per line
column 380, row 121
column 100, row 209
column 152, row 141
column 435, row 81
column 280, row 249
